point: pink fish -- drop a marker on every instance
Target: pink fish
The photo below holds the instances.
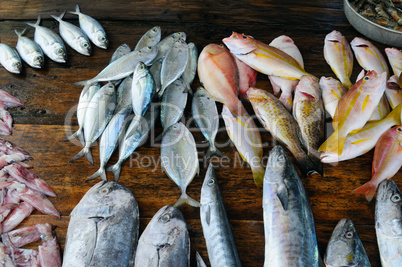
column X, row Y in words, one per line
column 395, row 59
column 9, row 100
column 247, row 77
column 332, row 90
column 217, row 71
column 386, row 162
column 393, row 91
column 17, row 215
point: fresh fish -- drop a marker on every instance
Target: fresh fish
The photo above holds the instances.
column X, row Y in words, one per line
column 73, row 36
column 308, row 110
column 200, row 261
column 174, row 63
column 355, row 109
column 103, row 228
column 85, row 98
column 364, row 140
column 287, row 86
column 290, row 237
column 279, row 122
column 123, row 66
column 92, row 29
column 165, row 241
column 345, row 247
column 50, row 42
column 142, row 89
column 386, row 162
column 393, row 92
column 150, row 38
column 10, row 59
column 264, row 58
column 155, row 70
column 123, row 98
column 164, row 46
column 247, row 77
column 246, row 137
column 369, row 57
column 30, row 51
column 339, row 57
column 180, row 160
column 122, row 50
column 218, row 234
column 9, row 100
column 395, row 60
column 332, row 91
column 135, row 136
column 97, row 115
column 191, row 67
column 174, row 101
column 388, row 227
column 217, row 71
column 206, row 117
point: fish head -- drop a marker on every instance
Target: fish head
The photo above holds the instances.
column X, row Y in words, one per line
column 151, row 51
column 182, row 45
column 13, row 65
column 179, row 36
column 255, row 95
column 58, row 53
column 84, row 46
column 37, row 60
column 277, row 163
column 334, row 37
column 155, row 33
column 393, row 53
column 240, row 44
column 343, row 246
column 330, row 84
column 100, row 39
column 140, row 71
column 388, row 209
column 282, row 42
column 360, row 44
column 308, row 86
column 372, row 82
column 210, row 188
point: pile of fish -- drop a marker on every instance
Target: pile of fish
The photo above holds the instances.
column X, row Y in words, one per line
column 6, row 121
column 48, row 43
column 22, row 191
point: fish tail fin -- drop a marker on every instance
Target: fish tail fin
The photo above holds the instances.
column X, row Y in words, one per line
column 36, row 23
column 77, row 134
column 306, row 165
column 184, row 198
column 368, row 189
column 347, row 83
column 395, row 115
column 334, row 143
column 20, row 33
column 77, row 10
column 115, row 169
column 212, row 150
column 99, row 173
column 83, row 83
column 315, row 158
column 258, row 175
column 59, row 18
column 86, row 151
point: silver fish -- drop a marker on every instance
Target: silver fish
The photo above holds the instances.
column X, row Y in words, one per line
column 123, row 99
column 135, row 135
column 103, row 228
column 122, row 50
column 123, row 66
column 345, row 247
column 150, row 38
column 290, row 238
column 30, row 51
column 142, row 89
column 155, row 70
column 167, row 43
column 165, row 241
column 97, row 115
column 206, row 116
column 50, row 42
column 10, row 59
column 179, row 160
column 73, row 36
column 174, row 64
column 92, row 29
column 191, row 66
column 218, row 234
column 174, row 101
column 388, row 223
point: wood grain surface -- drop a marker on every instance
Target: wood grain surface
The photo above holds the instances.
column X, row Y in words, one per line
column 50, row 98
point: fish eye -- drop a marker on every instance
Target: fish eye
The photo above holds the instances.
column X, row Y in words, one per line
column 221, row 45
column 104, row 191
column 349, row 235
column 175, row 127
column 165, row 218
column 85, row 44
column 366, row 78
column 154, row 29
column 60, row 51
column 399, row 129
column 149, row 47
column 38, row 58
column 396, row 198
column 281, row 158
column 103, row 38
column 244, row 36
column 211, row 182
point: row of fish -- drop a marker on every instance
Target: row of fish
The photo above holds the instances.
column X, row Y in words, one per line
column 48, row 43
column 22, row 191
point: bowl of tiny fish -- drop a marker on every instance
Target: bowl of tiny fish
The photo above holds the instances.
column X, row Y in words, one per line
column 378, row 20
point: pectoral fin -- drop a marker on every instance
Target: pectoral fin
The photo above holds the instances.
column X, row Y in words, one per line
column 283, row 195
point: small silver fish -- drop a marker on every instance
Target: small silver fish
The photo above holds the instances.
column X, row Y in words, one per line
column 191, row 66
column 30, row 51
column 165, row 241
column 150, row 38
column 179, row 160
column 174, row 63
column 206, row 116
column 92, row 29
column 73, row 36
column 123, row 99
column 155, row 70
column 122, row 50
column 218, row 234
column 174, row 101
column 10, row 59
column 142, row 89
column 167, row 43
column 50, row 42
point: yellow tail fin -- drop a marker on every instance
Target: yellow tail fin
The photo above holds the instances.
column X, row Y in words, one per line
column 334, row 143
column 258, row 175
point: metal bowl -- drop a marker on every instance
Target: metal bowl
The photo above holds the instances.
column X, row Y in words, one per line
column 371, row 29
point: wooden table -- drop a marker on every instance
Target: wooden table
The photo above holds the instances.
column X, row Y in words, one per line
column 49, row 97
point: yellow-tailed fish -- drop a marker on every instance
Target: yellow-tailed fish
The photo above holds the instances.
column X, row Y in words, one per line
column 217, row 71
column 364, row 140
column 339, row 57
column 386, row 162
column 393, row 91
column 395, row 59
column 354, row 109
column 308, row 110
column 287, row 45
column 264, row 58
column 279, row 122
column 369, row 57
column 332, row 91
column 246, row 137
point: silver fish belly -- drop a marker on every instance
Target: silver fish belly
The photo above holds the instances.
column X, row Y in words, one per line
column 142, row 89
column 191, row 66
